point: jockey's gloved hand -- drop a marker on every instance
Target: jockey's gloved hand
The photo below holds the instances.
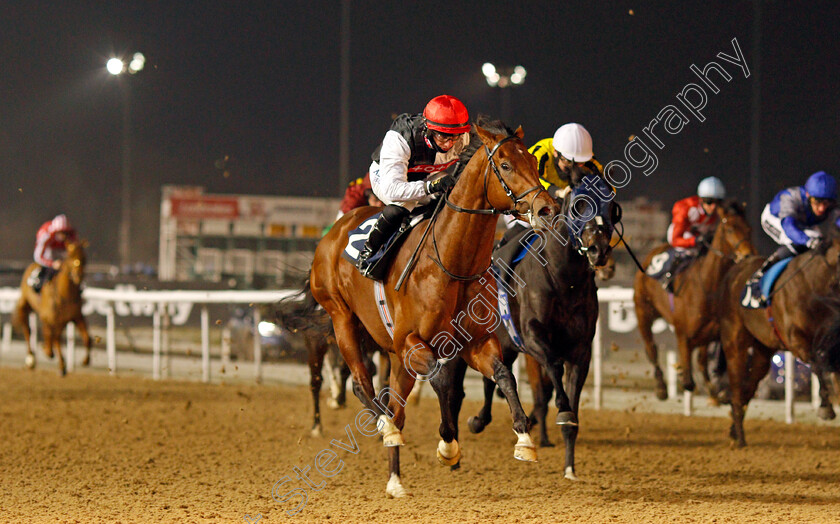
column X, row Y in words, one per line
column 703, row 239
column 444, row 183
column 814, row 242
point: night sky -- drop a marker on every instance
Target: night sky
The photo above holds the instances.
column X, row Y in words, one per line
column 259, row 82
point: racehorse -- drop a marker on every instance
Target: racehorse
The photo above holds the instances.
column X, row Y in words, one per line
column 803, row 317
column 556, row 314
column 692, row 309
column 59, row 302
column 430, row 311
column 299, row 314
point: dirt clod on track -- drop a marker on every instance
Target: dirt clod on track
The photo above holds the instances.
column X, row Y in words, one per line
column 94, row 448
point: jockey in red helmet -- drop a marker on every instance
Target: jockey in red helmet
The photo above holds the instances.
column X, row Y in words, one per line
column 50, row 246
column 407, row 165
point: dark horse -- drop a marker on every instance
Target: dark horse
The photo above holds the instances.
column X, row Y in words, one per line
column 300, row 314
column 59, row 303
column 556, row 309
column 800, row 319
column 693, row 310
column 429, row 312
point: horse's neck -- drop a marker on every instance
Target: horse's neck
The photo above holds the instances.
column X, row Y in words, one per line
column 457, row 232
column 563, row 258
column 63, row 283
column 713, row 265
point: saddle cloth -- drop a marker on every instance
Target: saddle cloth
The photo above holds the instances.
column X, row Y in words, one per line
column 380, row 261
column 671, row 261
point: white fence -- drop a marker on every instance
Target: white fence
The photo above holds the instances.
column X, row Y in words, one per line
column 174, row 307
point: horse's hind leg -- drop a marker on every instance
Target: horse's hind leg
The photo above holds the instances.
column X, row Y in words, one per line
column 485, row 415
column 81, row 325
column 21, row 320
column 645, row 315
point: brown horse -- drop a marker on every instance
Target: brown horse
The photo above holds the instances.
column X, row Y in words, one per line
column 692, row 312
column 434, row 312
column 59, row 302
column 800, row 319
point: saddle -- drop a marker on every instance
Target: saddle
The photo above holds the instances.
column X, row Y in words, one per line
column 380, row 262
column 758, row 295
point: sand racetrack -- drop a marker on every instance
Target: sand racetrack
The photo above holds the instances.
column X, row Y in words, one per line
column 94, row 448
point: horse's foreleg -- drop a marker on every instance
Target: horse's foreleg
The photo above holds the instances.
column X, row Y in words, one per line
column 541, row 389
column 347, row 337
column 826, row 410
column 81, row 325
column 684, row 360
column 47, row 334
column 576, row 379
column 56, row 344
column 402, row 382
column 486, row 360
column 645, row 315
column 485, row 415
column 21, row 319
column 736, row 342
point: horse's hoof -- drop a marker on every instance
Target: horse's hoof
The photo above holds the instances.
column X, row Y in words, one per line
column 662, row 393
column 333, row 403
column 86, row 362
column 545, row 443
column 444, row 449
column 476, row 425
column 566, row 418
column 524, row 449
column 62, row 371
column 394, row 488
column 30, row 361
column 826, row 413
column 570, row 473
column 316, row 431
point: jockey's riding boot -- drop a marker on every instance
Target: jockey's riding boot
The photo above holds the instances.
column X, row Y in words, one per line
column 35, row 281
column 385, row 226
column 780, row 254
column 668, row 282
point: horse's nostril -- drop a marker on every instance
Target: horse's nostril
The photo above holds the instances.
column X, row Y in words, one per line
column 544, row 212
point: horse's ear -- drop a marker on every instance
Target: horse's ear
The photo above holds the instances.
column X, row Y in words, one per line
column 485, row 136
column 519, row 133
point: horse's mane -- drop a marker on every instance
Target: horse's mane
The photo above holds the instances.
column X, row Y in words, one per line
column 734, row 207
column 497, row 127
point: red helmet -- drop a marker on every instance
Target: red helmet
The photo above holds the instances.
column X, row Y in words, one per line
column 447, row 114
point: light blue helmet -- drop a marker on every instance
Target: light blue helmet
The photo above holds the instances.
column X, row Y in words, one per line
column 711, row 187
column 821, row 185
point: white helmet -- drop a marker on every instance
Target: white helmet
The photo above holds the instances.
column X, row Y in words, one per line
column 573, row 142
column 711, row 187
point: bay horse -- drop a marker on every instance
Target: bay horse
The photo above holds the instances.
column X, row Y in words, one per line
column 300, row 314
column 555, row 315
column 692, row 309
column 59, row 303
column 430, row 311
column 803, row 318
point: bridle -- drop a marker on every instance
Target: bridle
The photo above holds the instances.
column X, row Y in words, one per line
column 516, row 199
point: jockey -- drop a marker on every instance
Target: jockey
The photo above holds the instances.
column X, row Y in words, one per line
column 791, row 219
column 416, row 149
column 570, row 149
column 693, row 223
column 50, row 246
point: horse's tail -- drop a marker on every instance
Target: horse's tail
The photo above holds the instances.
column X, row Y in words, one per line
column 826, row 345
column 300, row 311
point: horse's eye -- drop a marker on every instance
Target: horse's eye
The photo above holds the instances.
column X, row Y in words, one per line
column 505, row 166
